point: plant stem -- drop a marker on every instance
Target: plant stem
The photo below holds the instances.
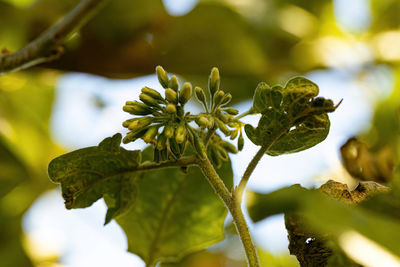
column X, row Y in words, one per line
column 239, row 190
column 250, row 111
column 48, row 46
column 249, row 170
column 235, row 209
column 182, row 162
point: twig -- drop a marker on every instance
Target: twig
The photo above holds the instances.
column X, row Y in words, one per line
column 48, row 46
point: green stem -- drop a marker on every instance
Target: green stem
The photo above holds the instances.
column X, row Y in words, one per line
column 234, row 207
column 182, row 162
column 238, row 192
column 250, row 111
column 249, row 170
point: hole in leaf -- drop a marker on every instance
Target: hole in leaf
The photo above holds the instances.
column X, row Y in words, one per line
column 309, row 240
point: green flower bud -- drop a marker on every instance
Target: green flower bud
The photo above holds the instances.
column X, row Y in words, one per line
column 223, row 127
column 169, row 131
column 211, row 122
column 231, row 111
column 214, row 156
column 161, row 141
column 240, row 142
column 173, row 83
column 132, row 136
column 202, row 122
column 214, row 81
column 227, row 98
column 218, row 97
column 224, row 118
column 150, row 134
column 180, row 134
column 186, row 93
column 171, row 95
column 199, row 146
column 234, row 134
column 222, row 153
column 140, row 123
column 171, row 108
column 174, row 148
column 153, row 93
column 228, row 147
column 126, row 123
column 201, row 96
column 137, row 108
column 162, row 76
column 148, row 100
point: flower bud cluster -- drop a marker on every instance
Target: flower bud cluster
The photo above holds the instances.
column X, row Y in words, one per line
column 221, row 116
column 218, row 150
column 163, row 122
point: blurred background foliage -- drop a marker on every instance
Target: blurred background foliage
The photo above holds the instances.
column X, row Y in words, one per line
column 249, row 40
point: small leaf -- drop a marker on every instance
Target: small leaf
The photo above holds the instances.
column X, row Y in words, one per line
column 174, row 214
column 88, row 174
column 293, row 118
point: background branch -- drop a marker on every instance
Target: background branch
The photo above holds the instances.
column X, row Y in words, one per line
column 48, row 46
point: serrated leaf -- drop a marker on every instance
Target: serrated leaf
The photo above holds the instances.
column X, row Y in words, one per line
column 88, row 174
column 293, row 118
column 174, row 214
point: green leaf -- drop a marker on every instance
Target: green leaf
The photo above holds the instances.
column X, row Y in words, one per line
column 293, row 118
column 174, row 214
column 327, row 216
column 88, row 174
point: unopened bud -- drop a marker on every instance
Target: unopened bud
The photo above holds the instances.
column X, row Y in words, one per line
column 161, row 140
column 171, row 95
column 137, row 108
column 214, row 81
column 126, row 123
column 227, row 98
column 132, row 136
column 173, row 83
column 180, row 134
column 150, row 134
column 140, row 123
column 240, row 142
column 171, row 108
column 153, row 93
column 224, row 118
column 185, row 94
column 218, row 97
column 169, row 131
column 211, row 122
column 229, row 147
column 231, row 111
column 148, row 100
column 222, row 153
column 234, row 133
column 201, row 96
column 223, row 127
column 162, row 76
column 214, row 156
column 199, row 146
column 203, row 122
